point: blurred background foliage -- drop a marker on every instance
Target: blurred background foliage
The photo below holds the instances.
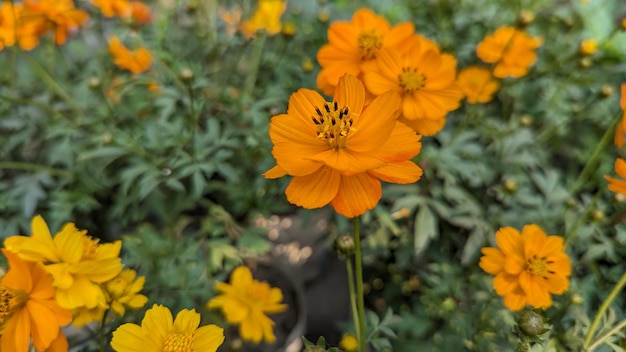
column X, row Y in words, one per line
column 176, row 170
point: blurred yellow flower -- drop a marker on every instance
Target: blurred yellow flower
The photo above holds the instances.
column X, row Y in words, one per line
column 266, row 17
column 477, row 84
column 588, row 47
column 349, row 343
column 339, row 151
column 247, row 302
column 122, row 291
column 77, row 262
column 158, row 333
column 618, row 185
column 511, row 50
column 355, row 43
column 621, row 126
column 136, row 61
column 528, row 267
column 28, row 308
column 424, row 78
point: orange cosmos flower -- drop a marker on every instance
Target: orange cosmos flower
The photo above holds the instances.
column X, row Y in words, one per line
column 424, row 78
column 621, row 126
column 477, row 84
column 528, row 267
column 59, row 16
column 617, row 185
column 111, row 8
column 134, row 61
column 140, row 12
column 8, row 13
column 338, row 151
column 28, row 308
column 266, row 17
column 232, row 19
column 511, row 49
column 352, row 44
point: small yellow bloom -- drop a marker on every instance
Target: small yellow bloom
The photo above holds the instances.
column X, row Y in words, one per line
column 266, row 17
column 247, row 302
column 158, row 333
column 289, row 29
column 588, row 47
column 77, row 262
column 307, row 64
column 349, row 343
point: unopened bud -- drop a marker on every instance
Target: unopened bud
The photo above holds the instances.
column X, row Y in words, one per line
column 525, row 18
column 526, row 120
column 344, row 245
column 186, row 74
column 606, row 91
column 510, row 185
column 94, row 82
column 531, row 323
column 585, row 62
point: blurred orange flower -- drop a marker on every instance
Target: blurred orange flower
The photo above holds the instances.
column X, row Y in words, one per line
column 28, row 308
column 140, row 12
column 528, row 267
column 621, row 126
column 8, row 13
column 424, row 78
column 134, row 61
column 266, row 17
column 352, row 44
column 616, row 185
column 477, row 84
column 338, row 151
column 232, row 19
column 58, row 16
column 111, row 8
column 511, row 50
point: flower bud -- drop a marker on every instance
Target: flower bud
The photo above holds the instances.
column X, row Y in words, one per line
column 344, row 245
column 585, row 62
column 597, row 214
column 94, row 82
column 526, row 120
column 525, row 18
column 531, row 323
column 186, row 74
column 606, row 91
column 510, row 185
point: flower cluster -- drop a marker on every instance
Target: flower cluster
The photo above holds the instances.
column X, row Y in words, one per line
column 510, row 50
column 392, row 59
column 528, row 267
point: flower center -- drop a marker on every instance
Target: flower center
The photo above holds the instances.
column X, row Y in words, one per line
column 177, row 342
column 333, row 124
column 370, row 42
column 10, row 301
column 411, row 80
column 258, row 290
column 538, row 266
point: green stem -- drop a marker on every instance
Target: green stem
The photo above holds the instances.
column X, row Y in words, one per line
column 605, row 305
column 359, row 283
column 593, row 160
column 608, row 334
column 255, row 63
column 16, row 165
column 103, row 330
column 355, row 313
column 581, row 219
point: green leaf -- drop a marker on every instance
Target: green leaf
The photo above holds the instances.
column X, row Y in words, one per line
column 426, row 229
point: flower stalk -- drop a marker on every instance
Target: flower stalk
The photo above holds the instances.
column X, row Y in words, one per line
column 255, row 63
column 596, row 320
column 359, row 286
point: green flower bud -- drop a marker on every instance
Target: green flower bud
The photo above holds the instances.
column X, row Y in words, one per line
column 531, row 323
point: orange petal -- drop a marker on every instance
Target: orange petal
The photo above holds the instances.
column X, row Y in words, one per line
column 510, row 241
column 374, row 126
column 348, row 162
column 275, row 172
column 314, row 190
column 515, row 301
column 357, row 194
column 514, row 264
column 16, row 334
column 42, row 324
column 537, row 295
column 425, row 127
column 504, row 283
column 19, row 275
column 403, row 144
column 403, row 172
column 351, row 93
column 492, row 260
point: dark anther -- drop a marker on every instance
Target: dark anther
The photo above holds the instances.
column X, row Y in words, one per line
column 550, row 262
column 335, row 105
column 315, row 120
column 318, row 112
column 551, row 272
column 333, row 121
column 326, row 107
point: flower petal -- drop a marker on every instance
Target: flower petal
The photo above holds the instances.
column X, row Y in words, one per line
column 351, row 93
column 510, row 241
column 375, row 124
column 129, row 338
column 314, row 190
column 208, row 338
column 537, row 295
column 492, row 260
column 401, row 172
column 186, row 321
column 357, row 194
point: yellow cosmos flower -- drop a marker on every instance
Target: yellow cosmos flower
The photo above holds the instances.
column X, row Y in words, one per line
column 77, row 262
column 621, row 126
column 247, row 302
column 528, row 267
column 349, row 343
column 28, row 309
column 477, row 84
column 423, row 77
column 122, row 291
column 266, row 17
column 338, row 151
column 588, row 47
column 618, row 185
column 511, row 50
column 158, row 333
column 352, row 44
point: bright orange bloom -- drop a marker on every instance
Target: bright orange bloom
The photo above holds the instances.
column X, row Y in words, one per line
column 59, row 16
column 588, row 47
column 28, row 308
column 424, row 78
column 617, row 185
column 355, row 43
column 8, row 14
column 134, row 61
column 621, row 126
column 511, row 49
column 111, row 8
column 140, row 12
column 478, row 84
column 247, row 302
column 528, row 267
column 266, row 17
column 338, row 151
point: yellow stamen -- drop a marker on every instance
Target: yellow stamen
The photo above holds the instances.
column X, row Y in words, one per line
column 370, row 42
column 411, row 80
column 538, row 266
column 89, row 247
column 177, row 342
column 10, row 301
column 333, row 124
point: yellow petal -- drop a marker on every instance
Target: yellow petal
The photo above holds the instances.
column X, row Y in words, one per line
column 208, row 338
column 186, row 321
column 129, row 338
column 157, row 324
